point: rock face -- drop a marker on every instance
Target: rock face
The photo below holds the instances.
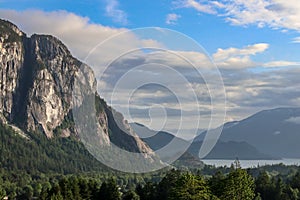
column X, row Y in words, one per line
column 37, row 77
column 11, row 61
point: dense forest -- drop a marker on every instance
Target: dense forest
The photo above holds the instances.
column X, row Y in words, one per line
column 62, row 169
column 237, row 184
column 39, row 155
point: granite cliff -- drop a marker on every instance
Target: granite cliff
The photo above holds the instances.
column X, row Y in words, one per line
column 37, row 76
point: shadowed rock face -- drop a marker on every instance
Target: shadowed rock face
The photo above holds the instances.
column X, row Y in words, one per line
column 37, row 77
column 11, row 61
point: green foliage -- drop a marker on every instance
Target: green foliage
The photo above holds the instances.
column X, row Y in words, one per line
column 168, row 182
column 258, row 197
column 39, row 169
column 239, row 185
column 60, row 155
column 217, row 183
column 264, row 185
column 109, row 191
column 28, row 192
column 295, row 181
column 177, row 185
column 67, row 123
column 2, row 193
column 279, row 193
column 130, row 195
column 292, row 193
column 148, row 192
column 190, row 187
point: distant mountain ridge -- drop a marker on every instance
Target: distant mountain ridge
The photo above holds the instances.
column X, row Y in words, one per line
column 274, row 132
column 158, row 140
column 222, row 150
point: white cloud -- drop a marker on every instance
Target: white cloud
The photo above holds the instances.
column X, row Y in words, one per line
column 112, row 10
column 76, row 32
column 81, row 37
column 273, row 13
column 172, row 18
column 281, row 63
column 247, row 92
column 296, row 40
column 230, row 58
column 249, row 50
column 201, row 7
column 79, row 34
column 233, row 58
column 181, row 59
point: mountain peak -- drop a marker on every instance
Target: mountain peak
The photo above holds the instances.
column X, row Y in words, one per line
column 37, row 85
column 274, row 132
column 50, row 45
column 10, row 31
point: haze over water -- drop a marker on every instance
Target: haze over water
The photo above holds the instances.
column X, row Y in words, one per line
column 252, row 163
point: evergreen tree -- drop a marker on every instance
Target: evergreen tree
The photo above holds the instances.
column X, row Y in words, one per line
column 239, row 186
column 190, row 187
column 109, row 191
column 167, row 183
column 74, row 187
column 217, row 183
column 28, row 192
column 57, row 196
column 37, row 189
column 2, row 193
column 65, row 189
column 258, row 197
column 292, row 194
column 279, row 190
column 148, row 192
column 295, row 182
column 85, row 190
column 264, row 186
column 45, row 191
column 130, row 195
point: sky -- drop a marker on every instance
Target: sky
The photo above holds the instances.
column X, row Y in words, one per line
column 199, row 60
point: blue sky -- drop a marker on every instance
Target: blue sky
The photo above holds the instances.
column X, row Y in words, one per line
column 255, row 44
column 210, row 30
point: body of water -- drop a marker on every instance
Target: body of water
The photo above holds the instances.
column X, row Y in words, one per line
column 252, row 163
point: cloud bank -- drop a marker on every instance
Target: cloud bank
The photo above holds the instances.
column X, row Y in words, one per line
column 277, row 14
column 250, row 85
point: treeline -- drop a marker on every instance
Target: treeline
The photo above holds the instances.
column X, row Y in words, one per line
column 41, row 155
column 238, row 184
column 279, row 187
column 40, row 169
column 21, row 185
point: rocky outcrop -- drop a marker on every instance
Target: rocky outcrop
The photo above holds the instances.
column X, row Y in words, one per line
column 11, row 61
column 50, row 97
column 37, row 76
